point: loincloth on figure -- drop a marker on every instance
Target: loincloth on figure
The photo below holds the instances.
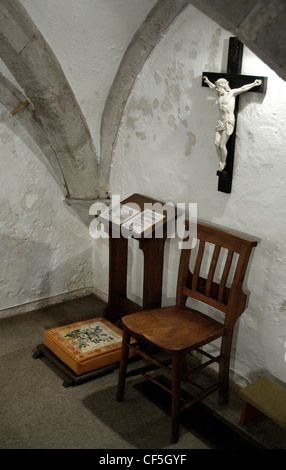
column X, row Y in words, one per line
column 227, row 126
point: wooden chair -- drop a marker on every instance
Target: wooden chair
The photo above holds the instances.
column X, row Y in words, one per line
column 178, row 330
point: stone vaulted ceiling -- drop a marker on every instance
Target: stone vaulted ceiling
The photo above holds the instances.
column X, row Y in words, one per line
column 58, row 123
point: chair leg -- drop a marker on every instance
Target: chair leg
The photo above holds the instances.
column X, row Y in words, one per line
column 224, row 368
column 176, row 386
column 123, row 364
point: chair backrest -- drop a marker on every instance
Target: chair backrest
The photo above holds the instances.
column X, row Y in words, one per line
column 215, row 276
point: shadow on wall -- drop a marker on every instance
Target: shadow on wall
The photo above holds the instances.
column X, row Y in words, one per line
column 32, row 272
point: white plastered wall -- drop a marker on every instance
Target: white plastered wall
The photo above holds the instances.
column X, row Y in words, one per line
column 165, row 149
column 45, row 251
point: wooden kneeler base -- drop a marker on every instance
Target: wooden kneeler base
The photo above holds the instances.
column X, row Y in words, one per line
column 71, row 377
column 83, row 350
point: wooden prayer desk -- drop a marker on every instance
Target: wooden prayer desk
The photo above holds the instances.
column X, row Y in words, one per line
column 60, row 344
column 153, row 252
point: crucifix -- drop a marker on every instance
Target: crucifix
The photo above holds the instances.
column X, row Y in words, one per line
column 228, row 87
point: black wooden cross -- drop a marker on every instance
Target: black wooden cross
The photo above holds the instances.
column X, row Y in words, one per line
column 235, row 81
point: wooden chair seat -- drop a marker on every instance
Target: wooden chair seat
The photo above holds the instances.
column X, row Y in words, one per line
column 212, row 273
column 173, row 328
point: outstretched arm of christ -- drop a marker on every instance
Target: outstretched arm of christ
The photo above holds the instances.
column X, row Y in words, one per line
column 244, row 88
column 210, row 84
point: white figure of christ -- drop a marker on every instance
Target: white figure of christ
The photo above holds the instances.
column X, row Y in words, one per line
column 226, row 121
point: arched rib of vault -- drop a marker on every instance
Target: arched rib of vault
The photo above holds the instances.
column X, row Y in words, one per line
column 259, row 24
column 16, row 105
column 36, row 69
column 142, row 44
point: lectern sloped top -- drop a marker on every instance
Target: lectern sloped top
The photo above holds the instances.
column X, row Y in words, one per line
column 137, row 216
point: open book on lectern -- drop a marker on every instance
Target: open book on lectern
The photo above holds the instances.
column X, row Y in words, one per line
column 131, row 220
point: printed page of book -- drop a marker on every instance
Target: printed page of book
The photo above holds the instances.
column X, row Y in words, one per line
column 143, row 221
column 119, row 214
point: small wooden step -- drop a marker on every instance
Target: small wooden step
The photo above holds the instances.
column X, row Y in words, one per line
column 264, row 397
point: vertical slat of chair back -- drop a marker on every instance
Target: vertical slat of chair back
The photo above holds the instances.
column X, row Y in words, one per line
column 198, row 264
column 219, row 292
column 212, row 270
column 225, row 275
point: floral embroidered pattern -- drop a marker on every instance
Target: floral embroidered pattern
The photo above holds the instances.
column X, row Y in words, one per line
column 92, row 335
column 85, row 340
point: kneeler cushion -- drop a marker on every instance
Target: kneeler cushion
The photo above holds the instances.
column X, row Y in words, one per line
column 86, row 345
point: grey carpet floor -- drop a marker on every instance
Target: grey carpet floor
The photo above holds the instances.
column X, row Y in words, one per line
column 37, row 412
